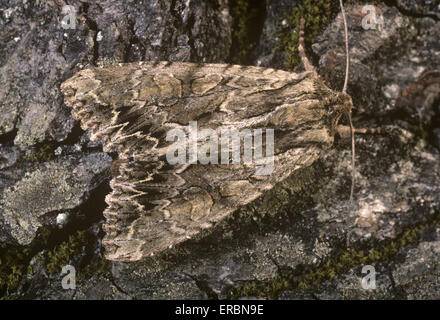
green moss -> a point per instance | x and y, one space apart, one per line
66 252
333 266
15 262
42 153
12 268
420 131
248 18
317 14
63 253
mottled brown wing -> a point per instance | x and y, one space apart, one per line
131 107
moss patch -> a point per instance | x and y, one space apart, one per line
340 263
69 250
317 14
77 249
248 19
63 253
42 153
14 264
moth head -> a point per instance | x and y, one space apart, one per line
344 102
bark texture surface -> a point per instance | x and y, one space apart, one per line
291 242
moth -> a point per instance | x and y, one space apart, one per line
131 108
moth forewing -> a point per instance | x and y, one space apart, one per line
156 203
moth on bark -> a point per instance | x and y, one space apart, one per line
130 108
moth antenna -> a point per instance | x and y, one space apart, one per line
307 65
347 53
344 90
353 148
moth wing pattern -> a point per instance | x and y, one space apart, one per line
130 108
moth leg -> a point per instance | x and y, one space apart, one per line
307 65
